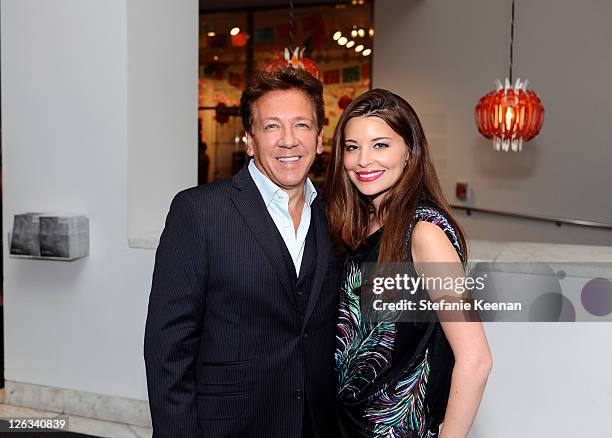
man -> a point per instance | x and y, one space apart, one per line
240 332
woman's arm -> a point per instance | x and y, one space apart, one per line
431 251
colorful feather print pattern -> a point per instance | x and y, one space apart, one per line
365 352
430 214
363 349
398 411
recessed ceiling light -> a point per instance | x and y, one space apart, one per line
235 31
211 34
343 40
366 52
359 48
350 44
337 35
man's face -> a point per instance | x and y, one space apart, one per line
284 141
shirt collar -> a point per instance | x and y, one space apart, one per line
269 190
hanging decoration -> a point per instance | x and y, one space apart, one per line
350 74
355 39
344 101
331 77
511 114
365 71
295 60
239 40
293 57
264 35
347 90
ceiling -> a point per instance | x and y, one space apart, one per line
215 5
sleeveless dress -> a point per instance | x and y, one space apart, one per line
393 377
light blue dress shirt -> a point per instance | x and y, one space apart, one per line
277 203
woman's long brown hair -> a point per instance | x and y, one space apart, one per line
348 211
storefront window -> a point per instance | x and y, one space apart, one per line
234 44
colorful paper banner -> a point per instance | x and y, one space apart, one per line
350 74
331 77
365 71
312 23
264 35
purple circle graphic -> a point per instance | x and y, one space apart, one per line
596 296
552 307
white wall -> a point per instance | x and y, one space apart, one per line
162 65
69 124
548 380
487 226
442 56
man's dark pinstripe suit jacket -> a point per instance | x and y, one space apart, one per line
228 352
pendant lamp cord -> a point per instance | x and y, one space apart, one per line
291 25
511 41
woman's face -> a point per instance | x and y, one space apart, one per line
374 156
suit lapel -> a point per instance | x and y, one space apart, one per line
250 205
310 251
322 238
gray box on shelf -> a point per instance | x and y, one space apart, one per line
26 229
52 236
64 236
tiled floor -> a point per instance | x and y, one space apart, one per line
79 424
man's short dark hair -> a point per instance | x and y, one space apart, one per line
281 79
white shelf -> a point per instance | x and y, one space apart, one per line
145 241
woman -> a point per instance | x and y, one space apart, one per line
384 204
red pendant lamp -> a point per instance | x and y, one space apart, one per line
511 114
293 57
295 60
